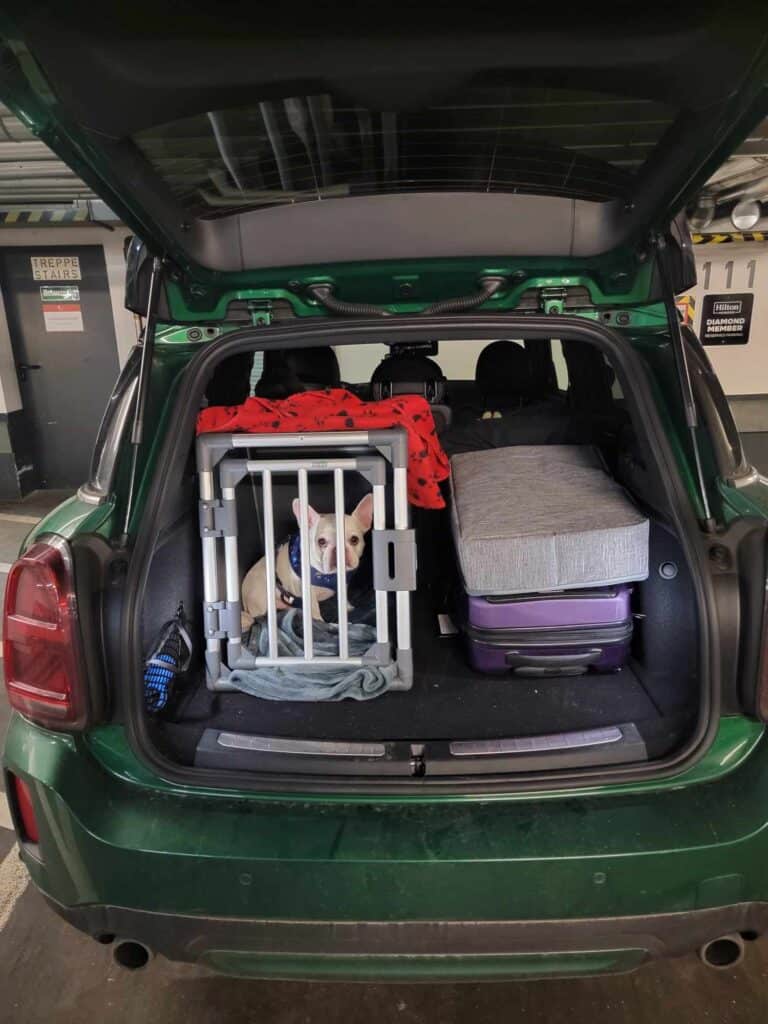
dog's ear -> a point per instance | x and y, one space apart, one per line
312 516
364 512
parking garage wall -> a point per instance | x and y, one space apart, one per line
731 270
13 456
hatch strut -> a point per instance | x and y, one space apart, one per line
142 391
684 375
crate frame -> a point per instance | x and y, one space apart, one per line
393 549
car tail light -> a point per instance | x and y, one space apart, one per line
44 675
22 799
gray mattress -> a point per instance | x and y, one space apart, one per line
534 518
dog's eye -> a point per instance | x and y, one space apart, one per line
354 539
322 542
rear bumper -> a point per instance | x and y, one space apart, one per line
418 950
317 887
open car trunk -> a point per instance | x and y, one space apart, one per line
454 722
653 698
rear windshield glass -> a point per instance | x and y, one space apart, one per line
487 139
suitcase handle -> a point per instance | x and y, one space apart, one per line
515 659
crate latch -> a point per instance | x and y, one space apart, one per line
394 559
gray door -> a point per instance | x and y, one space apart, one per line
64 346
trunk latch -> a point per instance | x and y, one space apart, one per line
418 764
260 311
552 300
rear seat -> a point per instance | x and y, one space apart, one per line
515 404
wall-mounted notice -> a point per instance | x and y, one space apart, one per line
61 308
55 268
726 318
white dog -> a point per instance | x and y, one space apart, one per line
322 559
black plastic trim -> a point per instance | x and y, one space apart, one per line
608 592
187 938
636 386
92 557
611 633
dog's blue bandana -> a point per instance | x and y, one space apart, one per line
328 580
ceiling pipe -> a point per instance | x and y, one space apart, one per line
750 169
756 188
724 226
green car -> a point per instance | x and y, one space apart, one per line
312 194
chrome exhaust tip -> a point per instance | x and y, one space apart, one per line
131 955
724 952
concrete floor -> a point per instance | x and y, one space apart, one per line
51 974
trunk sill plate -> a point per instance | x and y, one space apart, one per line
538 744
279 745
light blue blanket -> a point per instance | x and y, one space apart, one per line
312 683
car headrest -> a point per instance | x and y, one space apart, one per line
405 374
542 364
293 370
503 375
230 383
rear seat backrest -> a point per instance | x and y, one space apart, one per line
514 403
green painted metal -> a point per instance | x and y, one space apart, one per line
173 334
682 847
639 319
746 500
75 516
616 281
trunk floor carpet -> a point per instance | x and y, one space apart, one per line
448 701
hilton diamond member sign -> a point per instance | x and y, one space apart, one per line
725 319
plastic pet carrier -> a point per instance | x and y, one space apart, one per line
378 456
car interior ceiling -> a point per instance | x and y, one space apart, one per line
514 399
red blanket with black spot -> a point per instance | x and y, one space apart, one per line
338 409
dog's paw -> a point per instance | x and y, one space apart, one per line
246 621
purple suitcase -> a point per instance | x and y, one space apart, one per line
550 634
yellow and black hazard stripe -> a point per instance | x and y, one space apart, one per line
14 216
734 236
686 305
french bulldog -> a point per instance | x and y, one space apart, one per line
322 559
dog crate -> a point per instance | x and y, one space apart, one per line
222 465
